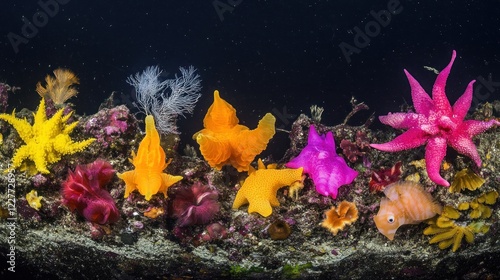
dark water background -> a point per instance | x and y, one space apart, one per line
263 56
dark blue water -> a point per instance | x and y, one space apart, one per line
261 55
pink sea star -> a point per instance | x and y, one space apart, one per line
328 170
437 124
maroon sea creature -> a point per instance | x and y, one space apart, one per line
350 150
384 177
83 191
357 149
214 231
195 205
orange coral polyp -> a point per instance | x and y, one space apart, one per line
338 217
224 141
148 177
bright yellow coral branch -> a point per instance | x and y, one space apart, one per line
45 142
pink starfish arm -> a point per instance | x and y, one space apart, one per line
462 105
441 103
412 138
473 127
461 141
434 155
421 100
402 120
464 145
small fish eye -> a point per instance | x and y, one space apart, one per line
390 219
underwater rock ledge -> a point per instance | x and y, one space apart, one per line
55 252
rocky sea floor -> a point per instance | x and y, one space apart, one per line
52 242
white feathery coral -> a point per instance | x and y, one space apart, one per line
166 100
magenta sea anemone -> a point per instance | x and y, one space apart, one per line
195 205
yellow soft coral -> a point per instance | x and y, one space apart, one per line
60 88
45 141
259 189
34 201
148 177
224 141
448 232
466 179
479 205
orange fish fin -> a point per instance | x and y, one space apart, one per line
383 202
392 192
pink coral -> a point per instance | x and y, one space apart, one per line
84 192
111 127
436 124
195 205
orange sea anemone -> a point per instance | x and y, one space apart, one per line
338 217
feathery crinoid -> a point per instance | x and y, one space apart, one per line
60 88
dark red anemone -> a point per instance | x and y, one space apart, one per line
83 192
384 177
195 205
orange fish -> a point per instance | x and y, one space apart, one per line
406 203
